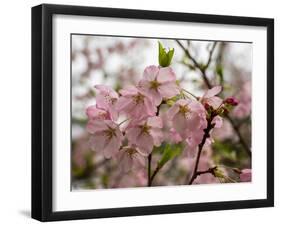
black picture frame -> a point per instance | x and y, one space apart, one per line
42 107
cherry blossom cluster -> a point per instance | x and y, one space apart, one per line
127 125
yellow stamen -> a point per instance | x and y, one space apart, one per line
154 84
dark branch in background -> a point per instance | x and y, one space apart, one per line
202 69
196 64
149 158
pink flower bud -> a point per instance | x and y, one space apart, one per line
231 101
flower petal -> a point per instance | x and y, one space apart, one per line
166 74
212 92
169 89
95 126
155 121
150 73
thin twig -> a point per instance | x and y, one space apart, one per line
202 70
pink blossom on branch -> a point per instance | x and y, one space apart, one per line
188 119
159 83
146 134
210 98
94 113
130 158
135 104
106 99
106 137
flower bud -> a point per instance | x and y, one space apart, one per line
231 101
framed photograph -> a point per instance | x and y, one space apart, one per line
146 112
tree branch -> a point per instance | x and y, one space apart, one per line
200 148
209 85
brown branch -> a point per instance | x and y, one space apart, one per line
237 131
210 126
209 85
196 64
154 173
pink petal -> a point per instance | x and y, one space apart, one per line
145 143
172 111
150 108
157 136
94 113
215 102
124 162
193 121
107 90
95 126
102 102
155 121
169 89
97 142
132 134
112 147
218 121
174 136
212 92
150 73
166 74
124 104
103 88
129 91
180 124
113 113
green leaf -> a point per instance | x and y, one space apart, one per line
165 57
170 152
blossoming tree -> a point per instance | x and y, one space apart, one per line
158 115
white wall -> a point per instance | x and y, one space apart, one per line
15 111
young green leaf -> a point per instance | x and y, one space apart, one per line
165 57
170 152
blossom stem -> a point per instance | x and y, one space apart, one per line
190 93
123 121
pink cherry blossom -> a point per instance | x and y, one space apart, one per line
218 121
189 119
210 97
130 158
146 134
94 113
106 99
135 104
106 137
159 83
246 175
174 136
